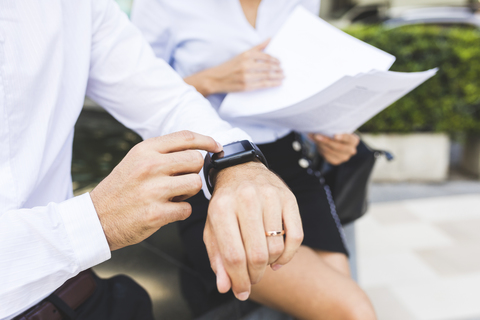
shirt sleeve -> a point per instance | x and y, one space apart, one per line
42 247
142 91
152 18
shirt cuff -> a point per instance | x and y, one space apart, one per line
85 231
233 135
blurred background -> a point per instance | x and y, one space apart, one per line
418 247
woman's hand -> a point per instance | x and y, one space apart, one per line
337 150
250 70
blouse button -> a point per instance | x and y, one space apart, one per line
303 163
296 146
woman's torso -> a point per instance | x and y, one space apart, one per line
201 34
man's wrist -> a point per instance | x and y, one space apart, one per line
217 174
233 154
223 176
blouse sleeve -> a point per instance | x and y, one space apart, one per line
153 20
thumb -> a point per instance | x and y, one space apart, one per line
261 46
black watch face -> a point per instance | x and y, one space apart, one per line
233 149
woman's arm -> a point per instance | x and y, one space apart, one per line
250 70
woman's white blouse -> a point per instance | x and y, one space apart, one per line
194 35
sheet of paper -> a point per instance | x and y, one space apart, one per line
313 56
345 105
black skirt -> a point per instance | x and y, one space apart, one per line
320 225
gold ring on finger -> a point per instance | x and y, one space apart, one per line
274 233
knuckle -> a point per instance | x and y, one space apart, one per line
196 182
247 191
258 257
187 135
141 147
184 212
276 249
234 258
290 201
214 210
219 203
146 167
195 158
297 237
289 196
243 79
270 192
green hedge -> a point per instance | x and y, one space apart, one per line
448 102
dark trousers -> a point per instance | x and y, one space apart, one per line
117 298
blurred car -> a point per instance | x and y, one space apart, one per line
436 15
401 12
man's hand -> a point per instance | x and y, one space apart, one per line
337 150
145 190
249 200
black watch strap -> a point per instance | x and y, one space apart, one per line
209 164
259 155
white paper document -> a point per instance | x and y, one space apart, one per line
333 82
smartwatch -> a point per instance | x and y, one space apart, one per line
232 154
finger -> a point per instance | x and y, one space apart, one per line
223 281
339 147
253 79
293 232
319 137
273 221
263 84
171 212
348 138
183 140
226 230
254 66
182 162
262 56
261 46
250 217
183 186
332 156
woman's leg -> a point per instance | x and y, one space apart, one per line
337 261
314 286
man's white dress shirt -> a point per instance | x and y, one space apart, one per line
52 52
194 35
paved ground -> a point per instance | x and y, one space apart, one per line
420 258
